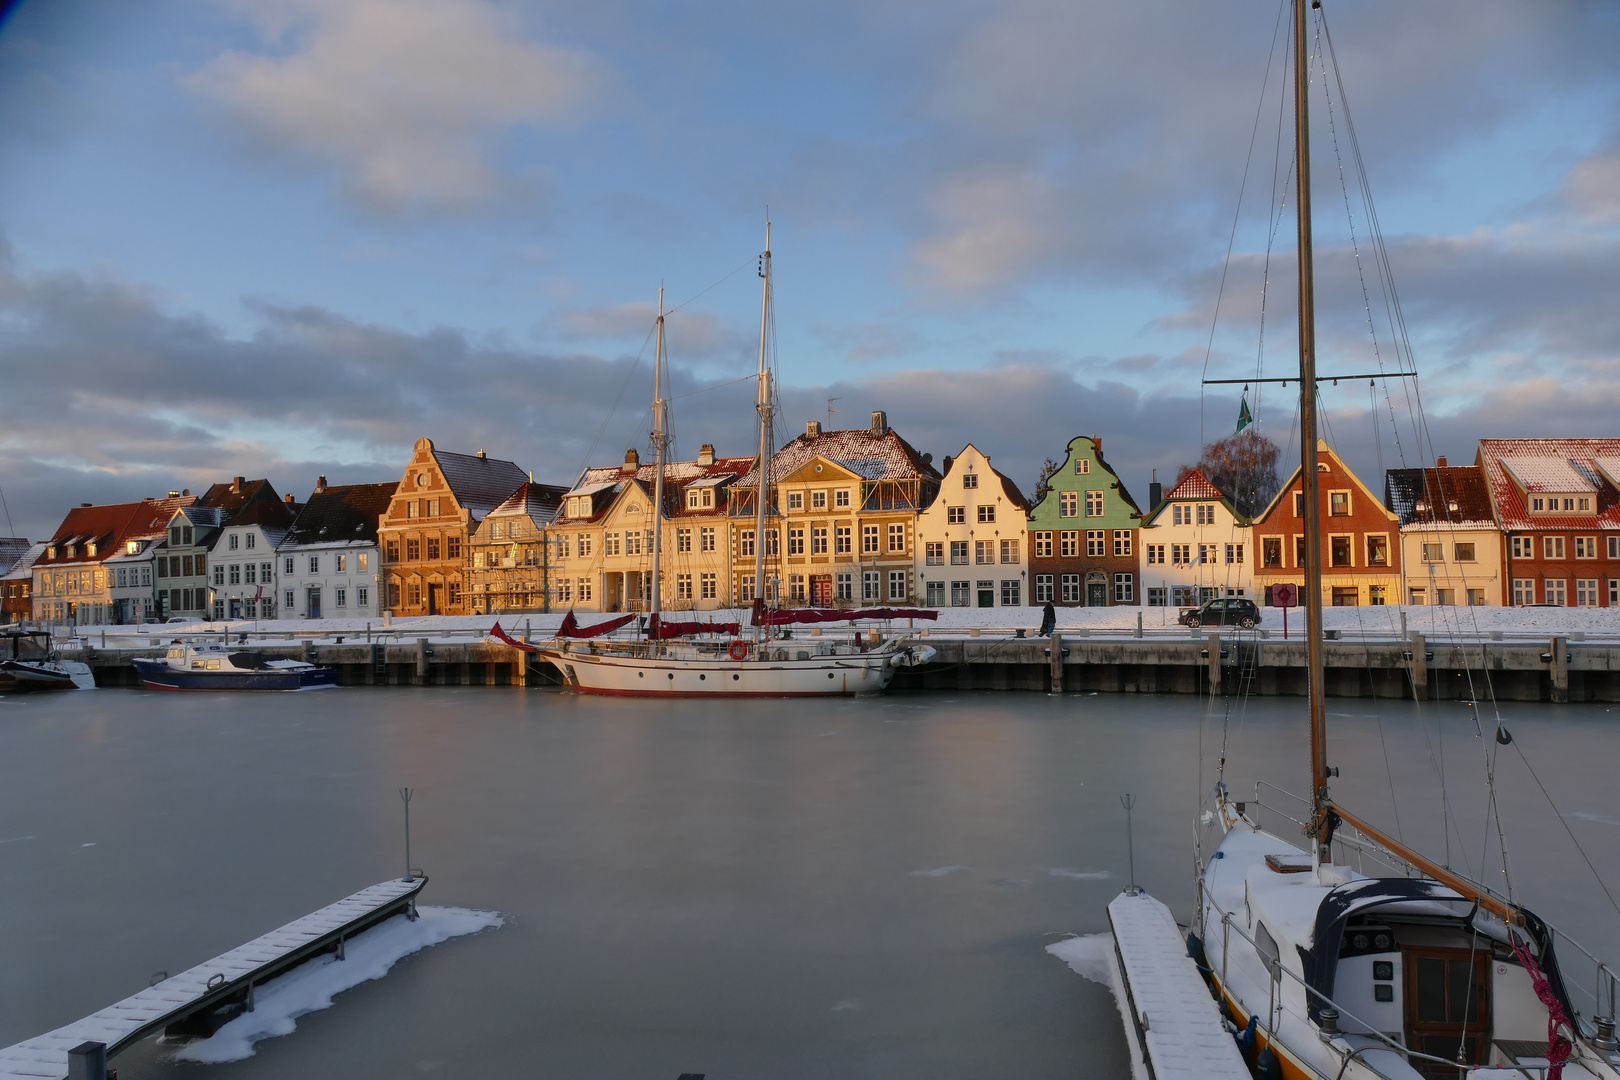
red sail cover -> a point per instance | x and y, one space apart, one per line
501 635
661 629
784 616
571 628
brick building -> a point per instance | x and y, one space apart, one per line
1558 507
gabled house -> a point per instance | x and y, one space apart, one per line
1557 504
130 571
328 562
1083 533
1196 545
1361 553
243 574
71 580
511 555
436 505
971 538
1451 548
183 583
17 586
842 520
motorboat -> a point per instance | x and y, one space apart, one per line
32 664
212 666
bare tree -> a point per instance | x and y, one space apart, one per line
1044 484
1243 466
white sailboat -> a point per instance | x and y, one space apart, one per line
1422 973
765 663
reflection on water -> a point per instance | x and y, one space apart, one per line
855 888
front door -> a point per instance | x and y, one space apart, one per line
987 594
314 596
1448 1006
821 590
235 608
435 599
1096 594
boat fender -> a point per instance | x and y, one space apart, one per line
737 649
1266 1066
1245 1038
1195 949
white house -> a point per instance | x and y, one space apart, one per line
1196 545
970 539
243 568
327 563
1451 545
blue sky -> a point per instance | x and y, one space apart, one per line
287 237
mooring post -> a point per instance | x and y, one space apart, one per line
1138 624
1214 664
368 633
88 1061
421 659
1128 801
1420 666
1056 643
1560 670
1403 624
405 794
525 631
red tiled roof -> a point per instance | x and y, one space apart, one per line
1195 485
103 526
1448 495
1561 455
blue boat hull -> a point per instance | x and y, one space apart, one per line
157 675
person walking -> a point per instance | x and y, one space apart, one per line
1048 621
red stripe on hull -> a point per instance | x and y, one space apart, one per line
714 694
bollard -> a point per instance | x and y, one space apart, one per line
88 1061
1420 666
421 658
1138 624
1560 671
1403 624
368 633
1056 643
1214 664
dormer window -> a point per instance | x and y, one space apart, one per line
90 550
579 506
50 552
133 547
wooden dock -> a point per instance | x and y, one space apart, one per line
200 1000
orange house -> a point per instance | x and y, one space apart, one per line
1361 550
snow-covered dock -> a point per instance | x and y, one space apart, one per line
199 1000
1174 1021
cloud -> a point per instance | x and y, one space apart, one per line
1592 189
405 100
692 335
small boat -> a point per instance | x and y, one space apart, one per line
44 670
212 666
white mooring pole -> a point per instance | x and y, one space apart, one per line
405 794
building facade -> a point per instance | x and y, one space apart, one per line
971 539
328 564
436 505
1451 548
1361 552
17 586
511 553
77 579
1083 533
1557 504
1195 546
244 560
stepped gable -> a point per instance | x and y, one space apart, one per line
341 515
1447 496
869 455
1516 469
479 483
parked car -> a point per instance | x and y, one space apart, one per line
172 619
1227 611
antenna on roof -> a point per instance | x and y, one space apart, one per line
830 411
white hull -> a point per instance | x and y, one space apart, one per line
789 669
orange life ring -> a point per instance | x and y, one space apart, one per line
738 649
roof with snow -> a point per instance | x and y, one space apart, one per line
1512 464
678 476
479 483
870 455
12 548
343 514
1451 495
23 568
537 502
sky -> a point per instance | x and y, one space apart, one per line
286 238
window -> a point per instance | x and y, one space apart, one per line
1156 597
230 542
496 530
795 500
1206 554
1338 504
1181 554
1068 504
1043 545
773 544
433 548
315 560
1339 551
959 552
869 585
1082 466
934 553
970 480
1009 551
1299 504
390 552
818 500
236 574
219 575
897 585
841 540
1094 504
1043 588
287 600
897 538
745 543
452 592
1096 543
632 543
582 589
610 543
987 514
844 586
1523 547
1069 544
841 498
961 594
1011 592
1071 588
1124 588
1524 591
1614 547
1445 597
706 538
1299 551
1552 547
188 562
1155 554
362 596
1346 596
1462 552
1206 513
683 540
818 540
869 539
413 550
340 598
984 551
935 594
1181 515
1553 591
683 586
452 550
1586 547
795 541
582 545
1586 592
1122 543
1434 552
1234 554
1376 595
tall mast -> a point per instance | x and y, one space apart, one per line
1312 598
660 439
763 407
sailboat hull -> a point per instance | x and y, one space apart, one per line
784 673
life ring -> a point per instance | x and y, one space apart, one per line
737 649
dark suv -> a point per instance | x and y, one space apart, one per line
1229 611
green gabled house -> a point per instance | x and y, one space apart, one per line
1083 533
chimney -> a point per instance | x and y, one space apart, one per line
812 428
1155 492
945 465
236 484
481 454
706 454
84 504
320 484
1096 442
632 461
1441 463
880 422
288 498
174 494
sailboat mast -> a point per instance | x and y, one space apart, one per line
660 439
763 407
1309 488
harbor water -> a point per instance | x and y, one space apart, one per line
813 888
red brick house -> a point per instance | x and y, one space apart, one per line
1557 502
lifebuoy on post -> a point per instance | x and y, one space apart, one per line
738 649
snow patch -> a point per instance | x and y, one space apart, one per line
938 871
1091 956
311 987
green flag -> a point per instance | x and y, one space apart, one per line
1244 419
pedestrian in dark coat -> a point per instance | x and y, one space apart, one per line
1048 621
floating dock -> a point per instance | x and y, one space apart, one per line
1177 1027
202 999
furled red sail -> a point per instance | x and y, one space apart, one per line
764 616
659 628
502 636
571 628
